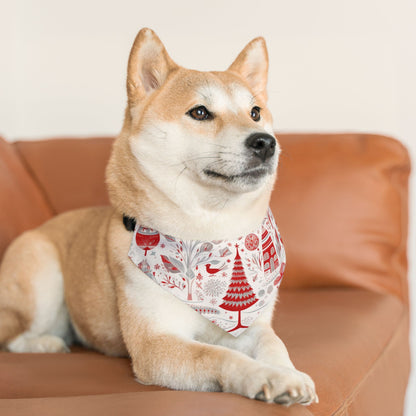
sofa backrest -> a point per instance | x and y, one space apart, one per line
341 205
22 203
69 171
340 202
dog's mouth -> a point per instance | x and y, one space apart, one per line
249 174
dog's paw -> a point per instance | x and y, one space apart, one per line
282 385
41 344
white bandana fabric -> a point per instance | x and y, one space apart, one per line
228 282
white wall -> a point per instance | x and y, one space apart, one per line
335 65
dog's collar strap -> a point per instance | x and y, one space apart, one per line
129 223
228 282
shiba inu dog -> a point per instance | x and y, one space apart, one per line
193 166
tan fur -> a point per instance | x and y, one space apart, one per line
72 276
15 315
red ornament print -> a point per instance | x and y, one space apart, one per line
251 242
147 238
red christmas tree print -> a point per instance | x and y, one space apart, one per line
240 294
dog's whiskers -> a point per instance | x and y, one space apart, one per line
231 153
177 178
219 164
219 145
194 158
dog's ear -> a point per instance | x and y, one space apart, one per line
252 64
149 66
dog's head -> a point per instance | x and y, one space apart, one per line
194 132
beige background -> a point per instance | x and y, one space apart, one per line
335 65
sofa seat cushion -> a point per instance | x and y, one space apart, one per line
338 336
344 338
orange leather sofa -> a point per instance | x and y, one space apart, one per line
341 205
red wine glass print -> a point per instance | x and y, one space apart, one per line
147 238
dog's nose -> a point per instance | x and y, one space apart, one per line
263 145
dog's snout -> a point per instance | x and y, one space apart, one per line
263 145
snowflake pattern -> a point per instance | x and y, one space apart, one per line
215 287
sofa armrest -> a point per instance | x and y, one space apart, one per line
341 205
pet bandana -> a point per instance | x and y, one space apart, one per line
228 282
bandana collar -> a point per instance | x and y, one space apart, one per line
228 282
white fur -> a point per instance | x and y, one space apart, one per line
50 325
268 127
216 98
155 305
242 97
233 98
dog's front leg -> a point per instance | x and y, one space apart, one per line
170 358
261 343
181 364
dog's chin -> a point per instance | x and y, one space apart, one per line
244 181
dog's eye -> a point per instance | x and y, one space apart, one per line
200 113
255 113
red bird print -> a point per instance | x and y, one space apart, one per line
211 270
